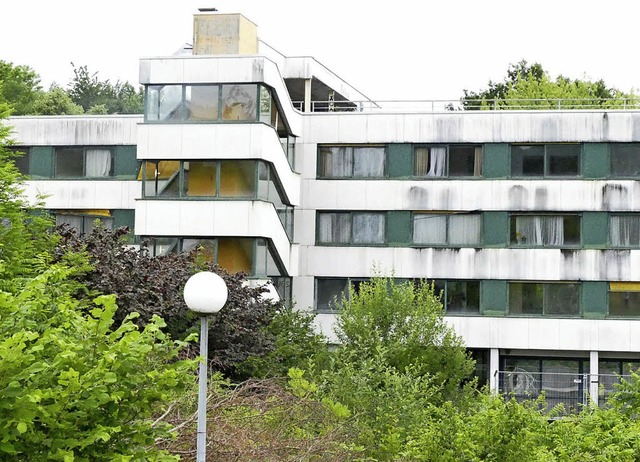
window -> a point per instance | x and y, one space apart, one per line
83 221
624 230
446 229
201 102
351 161
624 299
560 160
95 162
351 227
22 160
459 297
625 159
545 230
534 298
329 291
443 161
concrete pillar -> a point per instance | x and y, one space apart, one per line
307 95
494 367
593 376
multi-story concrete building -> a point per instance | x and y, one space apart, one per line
528 221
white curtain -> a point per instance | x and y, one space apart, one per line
437 162
464 229
625 231
477 162
334 228
337 162
429 229
539 230
368 162
421 162
98 163
368 228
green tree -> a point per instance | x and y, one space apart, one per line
56 101
530 86
75 388
97 96
19 87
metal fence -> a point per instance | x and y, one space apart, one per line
408 106
572 391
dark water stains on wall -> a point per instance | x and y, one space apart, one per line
518 197
615 264
615 196
541 196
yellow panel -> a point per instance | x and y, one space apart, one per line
235 255
166 169
624 286
236 179
202 179
84 212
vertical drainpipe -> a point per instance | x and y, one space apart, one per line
494 367
593 377
307 95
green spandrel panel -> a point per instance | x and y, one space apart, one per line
495 229
493 297
496 162
125 164
399 226
595 160
595 229
124 217
594 299
41 162
399 160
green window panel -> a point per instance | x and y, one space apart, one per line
496 161
41 162
495 229
125 164
595 160
594 299
399 225
595 227
493 297
124 217
400 161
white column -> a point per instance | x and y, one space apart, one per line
307 95
593 377
494 367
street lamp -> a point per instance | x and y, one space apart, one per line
205 293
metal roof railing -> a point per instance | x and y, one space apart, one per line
444 105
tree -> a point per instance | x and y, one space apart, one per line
56 101
73 386
527 86
97 96
19 87
153 286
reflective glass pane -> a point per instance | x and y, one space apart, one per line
334 228
624 230
69 162
464 160
525 298
329 293
368 162
563 159
368 228
201 102
236 254
562 299
624 304
463 296
238 178
625 159
163 102
200 178
335 162
527 160
430 229
239 102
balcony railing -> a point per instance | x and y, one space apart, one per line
561 104
573 391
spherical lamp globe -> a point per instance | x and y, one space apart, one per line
205 293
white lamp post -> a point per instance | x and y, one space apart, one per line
205 293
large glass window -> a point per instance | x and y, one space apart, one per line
83 221
351 228
562 160
458 297
163 103
351 161
451 160
83 162
624 230
330 291
625 159
545 230
201 102
21 161
624 299
446 229
535 298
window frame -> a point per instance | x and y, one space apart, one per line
612 161
546 161
610 233
447 148
445 296
513 231
448 216
351 242
319 161
544 313
87 219
348 282
110 176
633 288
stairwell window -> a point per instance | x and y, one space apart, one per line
446 229
545 230
447 161
351 161
351 228
534 298
540 160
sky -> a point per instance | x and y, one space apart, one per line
389 50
